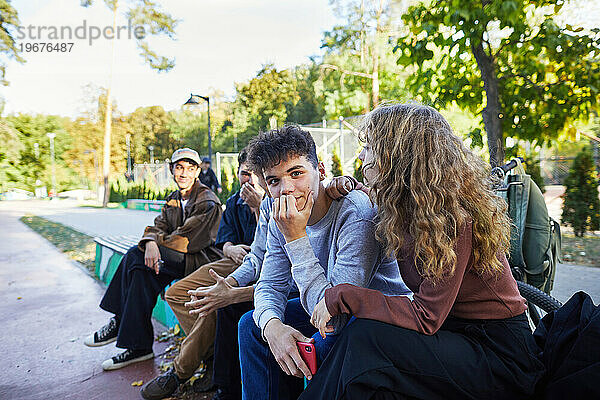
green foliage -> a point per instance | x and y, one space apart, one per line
359 64
147 14
25 165
358 174
272 93
336 164
10 149
9 20
581 208
121 190
225 187
228 187
235 185
532 167
149 126
546 75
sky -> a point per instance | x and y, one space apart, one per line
219 43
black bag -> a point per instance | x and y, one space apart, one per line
569 340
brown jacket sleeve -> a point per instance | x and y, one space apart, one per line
425 313
154 232
197 232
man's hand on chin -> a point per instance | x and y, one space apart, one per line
291 221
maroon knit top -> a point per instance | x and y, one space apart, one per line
466 294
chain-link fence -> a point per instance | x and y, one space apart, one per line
555 169
339 136
157 174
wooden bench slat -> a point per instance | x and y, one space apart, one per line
120 243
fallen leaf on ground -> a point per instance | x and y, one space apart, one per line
137 383
165 365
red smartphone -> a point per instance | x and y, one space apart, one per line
309 355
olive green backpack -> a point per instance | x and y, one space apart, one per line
535 238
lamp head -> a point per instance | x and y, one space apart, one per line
195 99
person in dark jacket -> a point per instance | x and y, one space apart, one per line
181 239
208 177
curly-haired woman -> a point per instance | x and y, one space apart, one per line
463 334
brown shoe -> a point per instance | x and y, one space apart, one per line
162 386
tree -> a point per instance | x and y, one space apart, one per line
581 207
87 149
336 165
270 94
307 108
189 126
359 68
147 16
506 60
150 126
34 151
358 174
10 148
532 167
9 20
88 134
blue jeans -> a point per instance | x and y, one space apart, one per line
261 374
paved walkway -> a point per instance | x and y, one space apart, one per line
89 220
571 278
47 306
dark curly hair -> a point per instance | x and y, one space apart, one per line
242 156
270 148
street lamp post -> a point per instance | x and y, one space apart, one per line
195 100
151 148
128 138
51 136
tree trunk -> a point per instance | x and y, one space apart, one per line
492 110
108 118
375 90
362 34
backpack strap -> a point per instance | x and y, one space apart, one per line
553 254
518 200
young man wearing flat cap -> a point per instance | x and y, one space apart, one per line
181 240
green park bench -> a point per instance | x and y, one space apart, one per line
109 252
145 205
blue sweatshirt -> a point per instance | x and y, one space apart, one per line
249 270
339 248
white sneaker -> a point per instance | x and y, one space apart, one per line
125 358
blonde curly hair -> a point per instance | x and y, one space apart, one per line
430 185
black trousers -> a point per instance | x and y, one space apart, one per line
466 359
132 294
226 364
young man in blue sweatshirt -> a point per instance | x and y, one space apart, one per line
313 243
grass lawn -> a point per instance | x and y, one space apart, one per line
76 245
581 250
